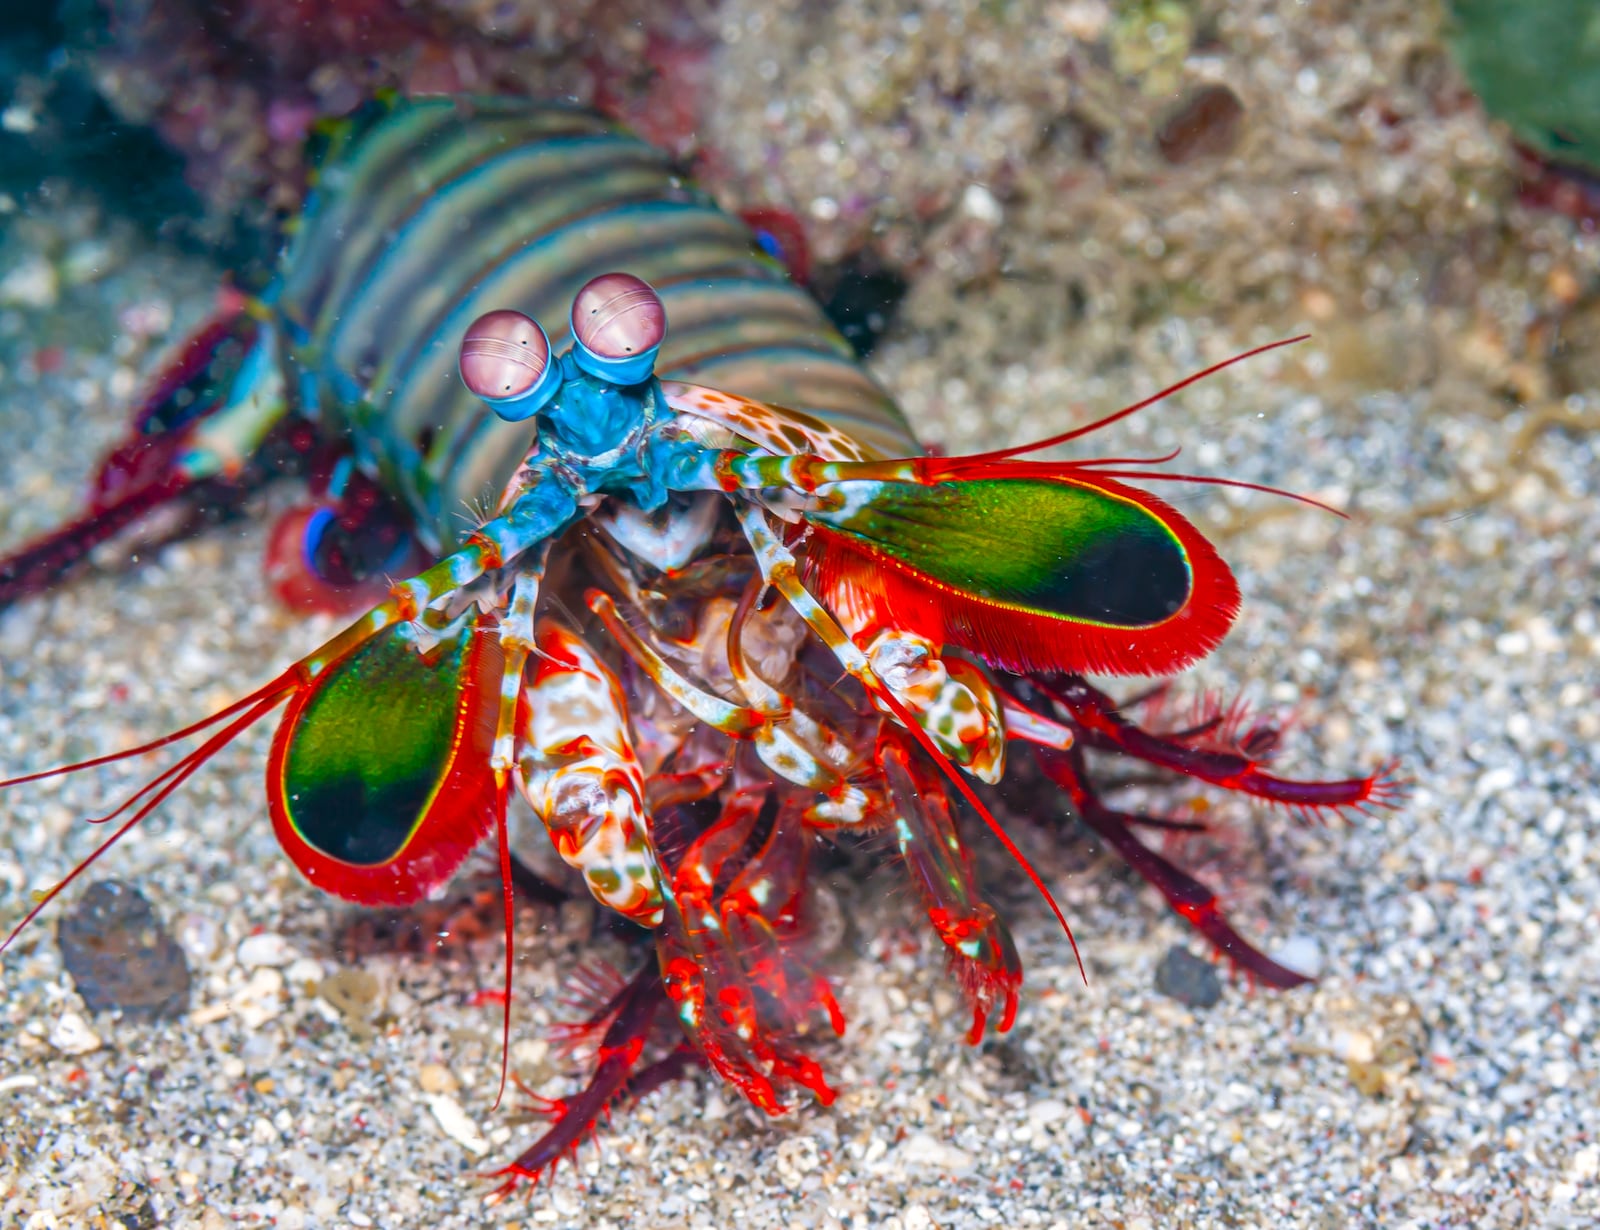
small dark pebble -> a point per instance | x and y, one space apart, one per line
141 1217
1018 1070
1204 125
120 957
1186 978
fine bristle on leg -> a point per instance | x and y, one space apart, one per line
38 565
1191 899
616 1075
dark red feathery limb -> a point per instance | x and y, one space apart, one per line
141 473
595 993
594 990
39 564
615 1075
674 1066
1188 896
1101 725
1217 725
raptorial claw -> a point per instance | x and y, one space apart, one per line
982 956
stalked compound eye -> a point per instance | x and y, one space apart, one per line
505 359
618 324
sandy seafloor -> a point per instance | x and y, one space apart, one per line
1442 1072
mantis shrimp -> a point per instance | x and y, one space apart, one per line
720 606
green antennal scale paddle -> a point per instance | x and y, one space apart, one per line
1034 573
378 790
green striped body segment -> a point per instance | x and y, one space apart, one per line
441 209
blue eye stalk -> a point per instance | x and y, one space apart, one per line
618 325
505 359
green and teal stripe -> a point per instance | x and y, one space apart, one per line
437 210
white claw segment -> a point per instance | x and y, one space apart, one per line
577 768
1033 727
953 700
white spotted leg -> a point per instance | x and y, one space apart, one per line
578 770
781 571
778 737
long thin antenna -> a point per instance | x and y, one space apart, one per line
1126 411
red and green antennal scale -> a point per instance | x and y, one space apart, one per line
1033 566
379 781
1031 573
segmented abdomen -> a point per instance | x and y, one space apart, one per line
441 210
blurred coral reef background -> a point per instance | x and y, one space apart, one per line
965 146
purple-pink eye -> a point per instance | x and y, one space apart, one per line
505 359
618 325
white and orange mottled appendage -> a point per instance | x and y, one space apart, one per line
952 699
577 767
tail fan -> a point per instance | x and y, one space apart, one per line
147 473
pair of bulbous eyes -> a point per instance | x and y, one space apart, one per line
618 323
